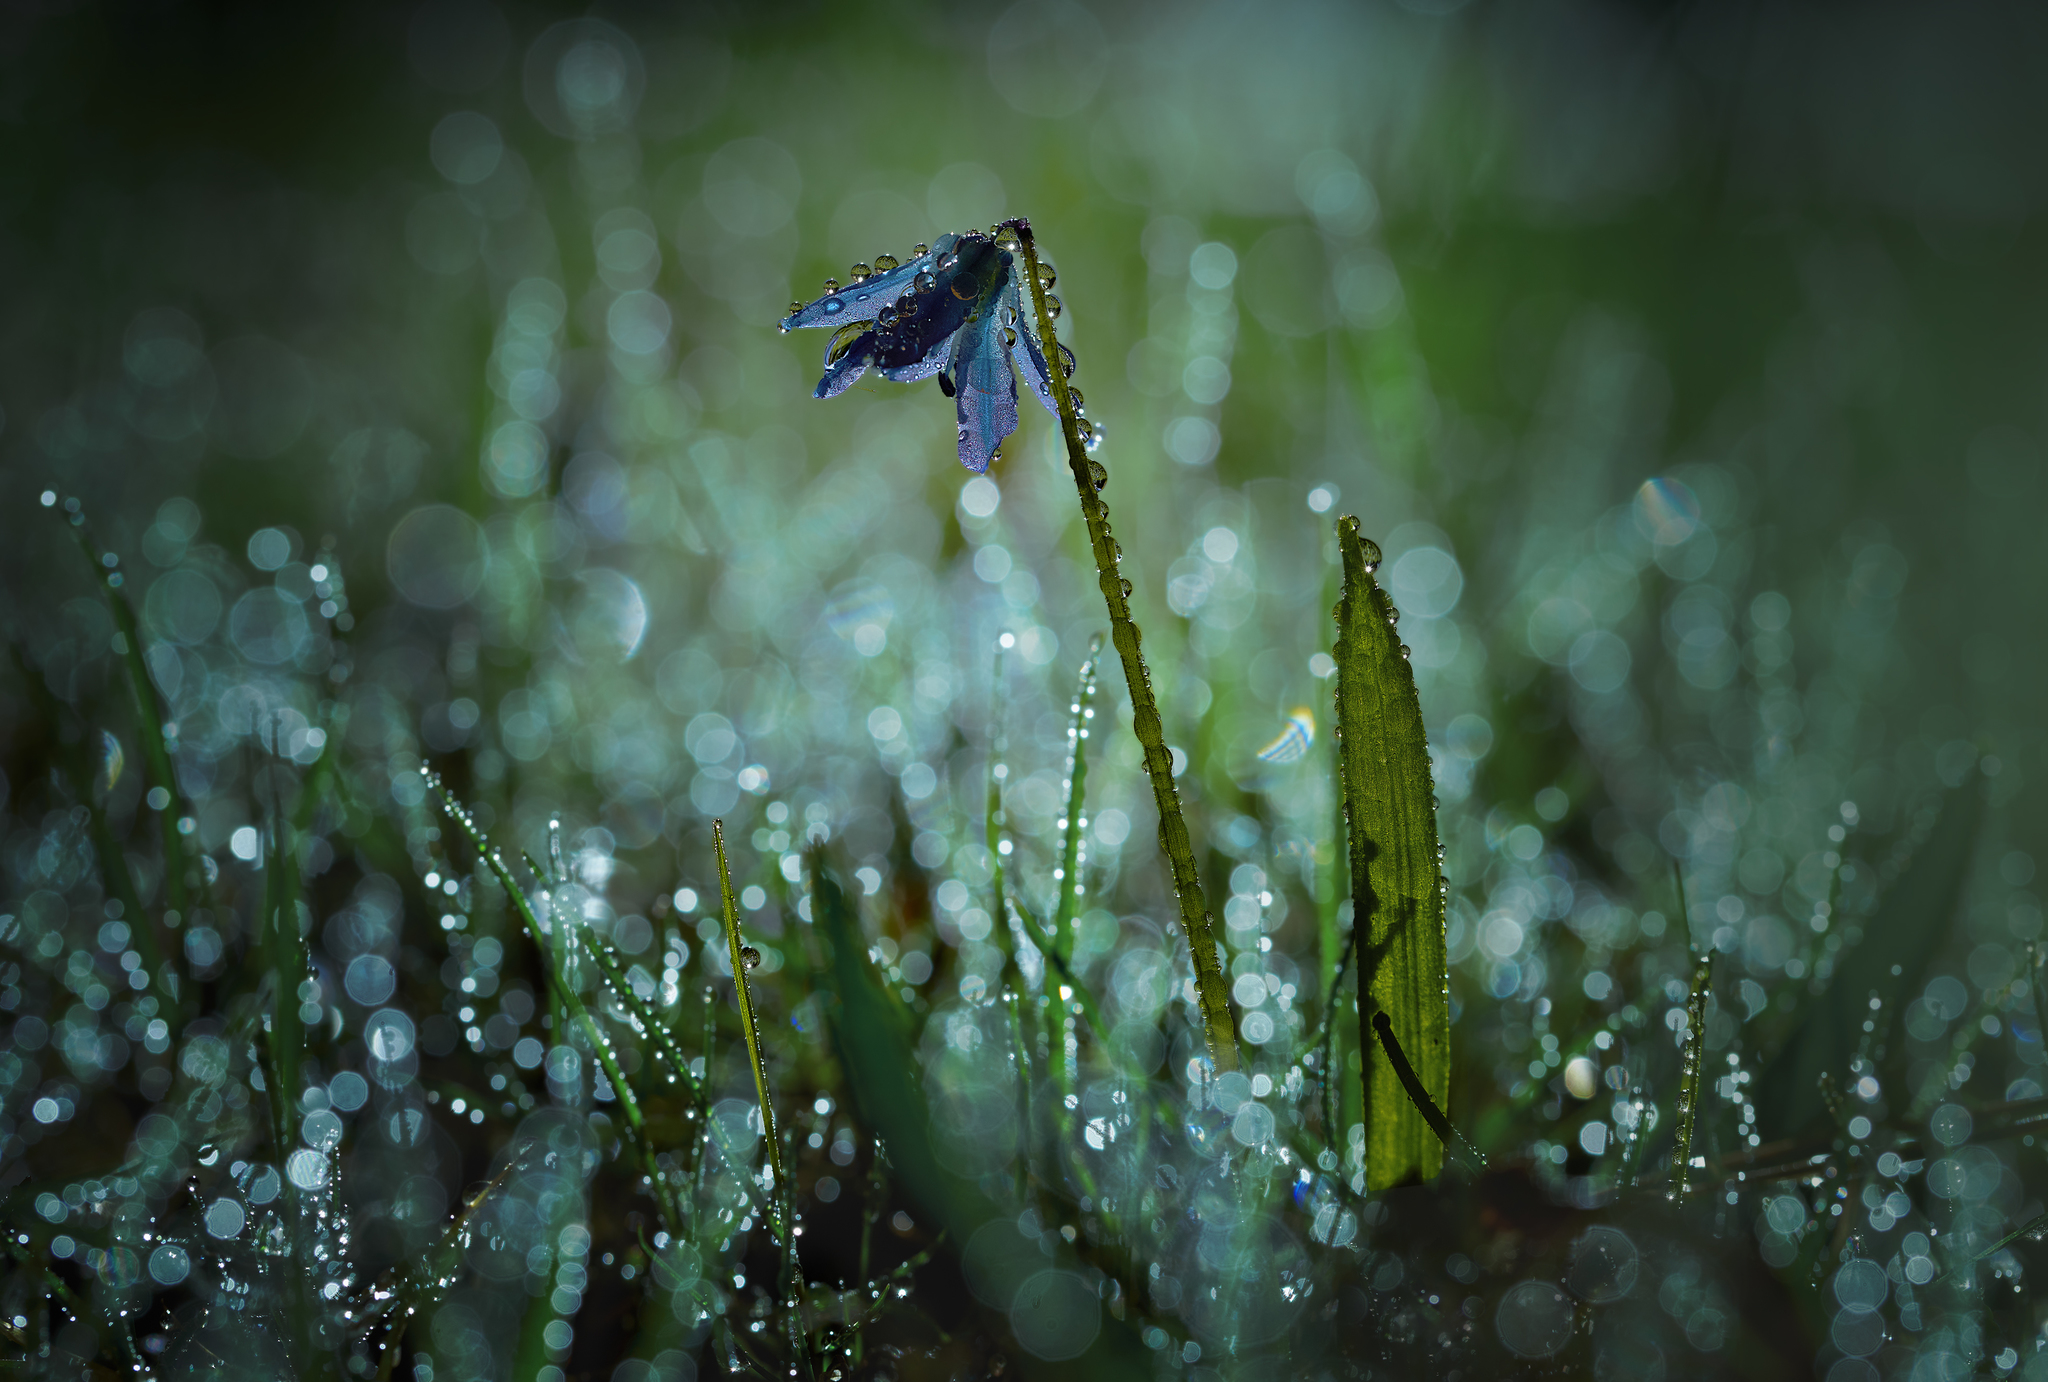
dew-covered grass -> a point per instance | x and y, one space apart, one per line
531 849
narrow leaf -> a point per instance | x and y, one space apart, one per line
1390 821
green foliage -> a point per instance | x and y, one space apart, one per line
1396 881
1862 1001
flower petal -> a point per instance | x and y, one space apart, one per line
861 301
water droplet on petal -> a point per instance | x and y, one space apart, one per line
1009 337
831 285
920 250
833 307
884 263
858 272
925 282
795 307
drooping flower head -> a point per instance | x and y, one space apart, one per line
953 310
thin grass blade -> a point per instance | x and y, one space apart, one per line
1068 876
750 1026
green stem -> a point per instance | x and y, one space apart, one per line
1212 992
750 1025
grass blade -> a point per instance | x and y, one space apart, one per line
1195 920
1682 1161
149 716
744 958
1068 875
565 994
1900 940
1390 818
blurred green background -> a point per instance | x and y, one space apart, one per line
1686 361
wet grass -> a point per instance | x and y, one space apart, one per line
354 1095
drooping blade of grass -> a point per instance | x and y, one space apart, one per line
1689 1075
1068 875
1199 927
629 1103
1900 939
1390 821
750 1026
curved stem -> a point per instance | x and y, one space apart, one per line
1211 991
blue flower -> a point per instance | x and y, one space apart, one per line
953 310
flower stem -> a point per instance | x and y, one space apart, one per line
1173 829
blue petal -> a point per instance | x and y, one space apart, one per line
840 373
861 301
926 366
986 400
1030 354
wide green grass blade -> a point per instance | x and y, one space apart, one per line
1900 940
1390 823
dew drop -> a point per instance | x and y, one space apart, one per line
1094 437
858 272
1046 275
750 957
920 250
833 307
1007 238
886 317
1127 589
907 303
1009 337
925 282
795 307
1098 475
884 263
831 285
1080 406
1067 362
1053 307
1372 553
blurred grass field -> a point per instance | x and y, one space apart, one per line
395 393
